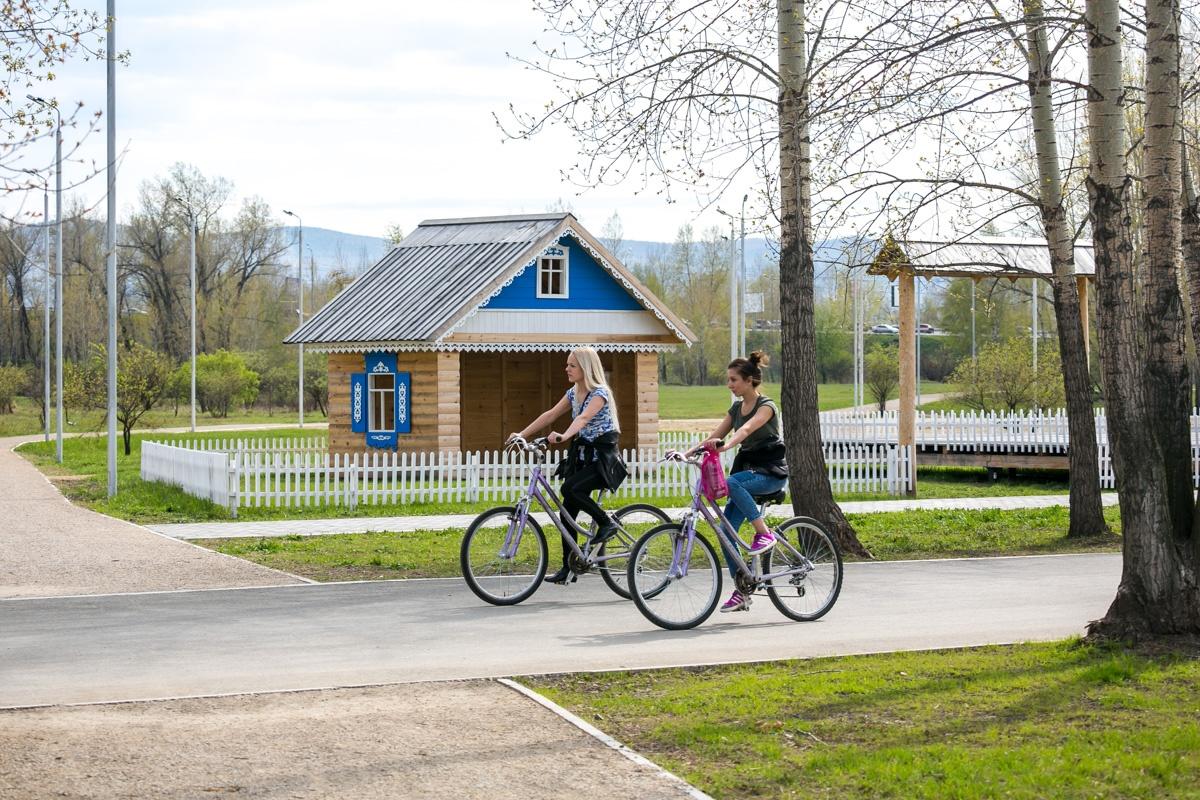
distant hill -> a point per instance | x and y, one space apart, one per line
334 250
353 253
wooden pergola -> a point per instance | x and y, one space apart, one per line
903 260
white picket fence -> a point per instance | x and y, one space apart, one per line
970 431
200 473
245 473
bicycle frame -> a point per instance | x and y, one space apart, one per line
539 489
715 517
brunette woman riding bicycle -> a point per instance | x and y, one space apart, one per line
760 467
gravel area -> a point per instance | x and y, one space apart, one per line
50 547
412 740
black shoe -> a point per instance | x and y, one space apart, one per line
559 577
606 532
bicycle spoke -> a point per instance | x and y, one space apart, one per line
500 574
666 599
811 565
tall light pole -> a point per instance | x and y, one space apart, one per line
46 315
58 271
110 237
192 279
742 285
300 306
734 316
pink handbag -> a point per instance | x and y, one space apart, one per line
712 475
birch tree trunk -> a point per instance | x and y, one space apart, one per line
1087 514
809 482
1158 593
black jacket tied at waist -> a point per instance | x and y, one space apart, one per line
769 458
603 452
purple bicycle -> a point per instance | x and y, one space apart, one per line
675 576
504 554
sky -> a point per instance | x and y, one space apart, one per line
356 115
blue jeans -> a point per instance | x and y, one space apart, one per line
741 506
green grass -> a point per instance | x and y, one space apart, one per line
710 402
28 419
85 459
1059 720
889 536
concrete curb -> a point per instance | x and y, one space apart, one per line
604 738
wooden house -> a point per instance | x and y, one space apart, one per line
459 335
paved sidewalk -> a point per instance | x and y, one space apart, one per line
50 547
439 522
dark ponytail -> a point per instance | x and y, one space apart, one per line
751 368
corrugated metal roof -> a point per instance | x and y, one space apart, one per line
425 281
989 256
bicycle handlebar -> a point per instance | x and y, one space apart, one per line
538 445
677 457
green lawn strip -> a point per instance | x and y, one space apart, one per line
28 419
1061 720
709 402
889 536
85 458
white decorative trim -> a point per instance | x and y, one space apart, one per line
485 347
603 262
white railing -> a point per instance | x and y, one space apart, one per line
256 476
201 474
970 431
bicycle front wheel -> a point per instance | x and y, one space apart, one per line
663 596
502 561
812 566
634 520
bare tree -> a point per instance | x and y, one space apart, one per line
16 269
692 96
1087 514
1159 591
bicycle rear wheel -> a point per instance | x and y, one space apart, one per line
672 602
634 520
815 570
496 577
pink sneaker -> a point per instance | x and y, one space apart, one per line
762 543
736 602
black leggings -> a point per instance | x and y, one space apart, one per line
577 494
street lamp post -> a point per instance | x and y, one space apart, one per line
58 271
300 307
46 314
742 285
192 279
110 237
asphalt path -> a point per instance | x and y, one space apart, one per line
172 644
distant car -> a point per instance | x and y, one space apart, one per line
925 327
885 328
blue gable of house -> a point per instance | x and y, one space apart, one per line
589 287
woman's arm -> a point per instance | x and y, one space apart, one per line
590 410
716 436
560 408
760 418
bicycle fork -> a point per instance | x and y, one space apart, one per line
516 525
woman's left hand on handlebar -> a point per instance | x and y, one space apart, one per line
555 437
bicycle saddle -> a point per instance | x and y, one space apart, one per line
775 497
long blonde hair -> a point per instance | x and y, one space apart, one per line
593 378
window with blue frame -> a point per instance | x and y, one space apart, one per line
379 401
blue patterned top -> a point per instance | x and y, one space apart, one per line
600 424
